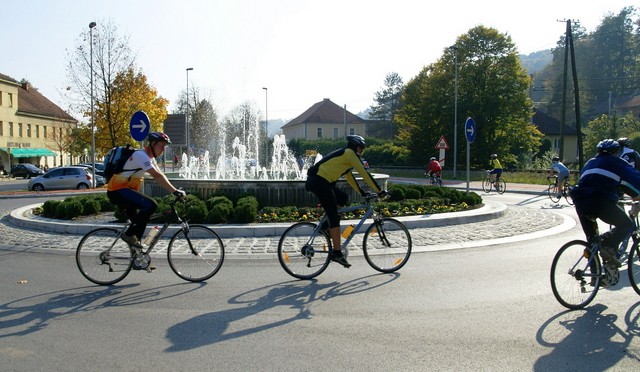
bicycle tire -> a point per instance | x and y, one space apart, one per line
567 195
195 255
552 191
633 267
300 259
96 264
487 185
387 245
439 182
571 285
502 186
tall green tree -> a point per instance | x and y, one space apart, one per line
387 103
492 89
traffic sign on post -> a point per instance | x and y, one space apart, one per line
442 144
470 130
139 126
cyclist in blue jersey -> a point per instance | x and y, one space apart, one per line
596 196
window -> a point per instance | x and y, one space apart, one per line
319 135
10 129
352 131
44 131
19 129
335 132
1 129
10 99
37 131
28 130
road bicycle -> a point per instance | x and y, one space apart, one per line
490 182
556 192
434 179
195 252
577 272
304 247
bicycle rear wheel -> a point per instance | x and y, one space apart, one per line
553 193
302 254
502 186
387 245
487 184
195 255
575 277
633 263
102 258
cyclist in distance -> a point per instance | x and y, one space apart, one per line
596 196
321 181
433 167
628 154
496 168
123 188
563 172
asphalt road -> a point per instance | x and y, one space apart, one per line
485 308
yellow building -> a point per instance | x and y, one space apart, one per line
324 120
32 128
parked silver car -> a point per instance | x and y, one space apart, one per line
62 178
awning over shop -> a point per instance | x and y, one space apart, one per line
21 152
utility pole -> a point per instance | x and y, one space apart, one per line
569 48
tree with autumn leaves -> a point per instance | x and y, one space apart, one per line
119 90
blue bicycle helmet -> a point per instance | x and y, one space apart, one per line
608 146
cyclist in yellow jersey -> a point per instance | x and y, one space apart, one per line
322 178
496 167
123 188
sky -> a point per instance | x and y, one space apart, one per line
302 51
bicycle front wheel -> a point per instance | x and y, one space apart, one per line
102 258
387 245
501 186
487 185
633 263
195 255
553 193
575 275
567 195
302 254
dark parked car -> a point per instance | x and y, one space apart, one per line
62 178
26 171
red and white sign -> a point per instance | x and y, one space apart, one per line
442 144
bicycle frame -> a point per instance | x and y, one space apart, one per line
369 212
621 253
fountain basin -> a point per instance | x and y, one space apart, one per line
270 193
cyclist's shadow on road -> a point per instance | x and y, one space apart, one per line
292 300
587 340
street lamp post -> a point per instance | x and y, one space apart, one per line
187 117
93 130
266 126
455 111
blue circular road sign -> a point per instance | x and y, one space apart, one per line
470 130
139 125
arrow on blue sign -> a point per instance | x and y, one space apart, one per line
139 125
470 130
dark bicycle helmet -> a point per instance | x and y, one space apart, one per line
624 141
555 159
494 156
608 146
354 141
158 137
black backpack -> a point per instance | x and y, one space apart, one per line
116 158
